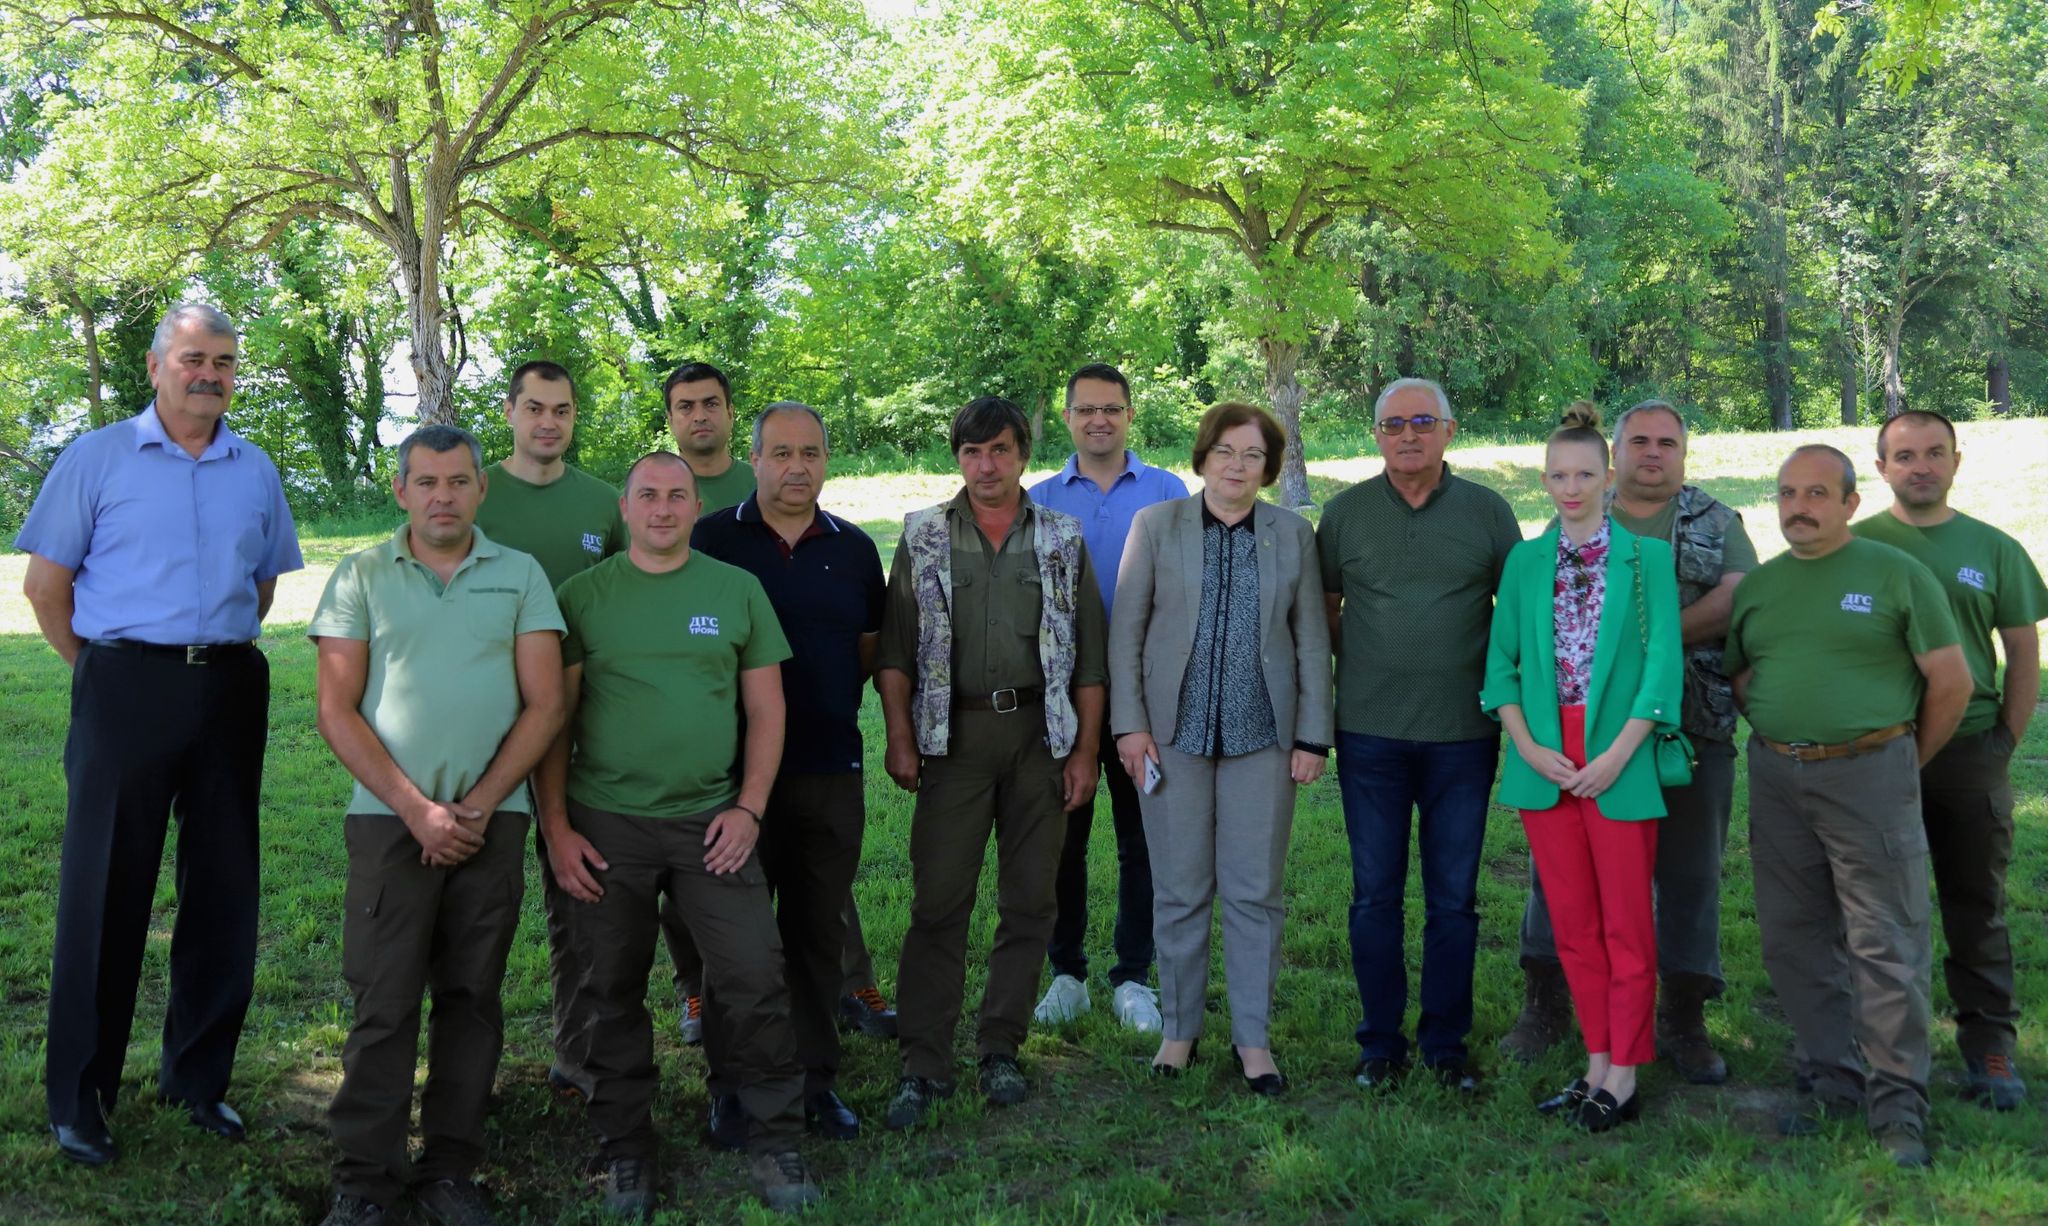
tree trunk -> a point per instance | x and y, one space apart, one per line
1852 407
1998 385
426 316
1283 393
1777 278
1894 379
95 369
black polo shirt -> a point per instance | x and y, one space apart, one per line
827 592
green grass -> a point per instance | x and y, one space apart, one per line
1099 1142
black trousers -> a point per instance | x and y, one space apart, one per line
810 849
153 737
410 930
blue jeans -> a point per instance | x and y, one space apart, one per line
1383 780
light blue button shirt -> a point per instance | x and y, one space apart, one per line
1106 515
166 548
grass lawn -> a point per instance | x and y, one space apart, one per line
1099 1141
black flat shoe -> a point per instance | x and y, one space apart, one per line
1600 1113
89 1142
216 1118
1566 1100
1265 1085
1175 1070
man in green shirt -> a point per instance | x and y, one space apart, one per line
1966 792
1712 552
698 399
1844 657
992 672
652 794
569 521
440 686
1410 562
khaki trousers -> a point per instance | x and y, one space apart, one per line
1840 857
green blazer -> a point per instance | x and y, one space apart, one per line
1628 682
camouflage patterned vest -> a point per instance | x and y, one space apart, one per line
1056 540
1698 536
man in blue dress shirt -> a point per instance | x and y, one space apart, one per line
1104 485
155 547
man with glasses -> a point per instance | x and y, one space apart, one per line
1104 485
1410 560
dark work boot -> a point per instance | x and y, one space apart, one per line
1682 1029
1546 1011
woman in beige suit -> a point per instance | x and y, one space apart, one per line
1220 691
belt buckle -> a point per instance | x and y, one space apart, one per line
995 701
1798 749
195 653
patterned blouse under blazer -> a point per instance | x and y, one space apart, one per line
1158 607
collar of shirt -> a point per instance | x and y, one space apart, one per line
962 508
1443 486
1588 554
1209 517
1133 466
480 547
749 512
149 430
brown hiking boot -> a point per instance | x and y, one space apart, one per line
1682 1030
1546 1011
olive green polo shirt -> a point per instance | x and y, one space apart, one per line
996 605
443 689
1418 585
568 525
728 489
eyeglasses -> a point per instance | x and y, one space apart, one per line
1423 423
1254 457
1096 410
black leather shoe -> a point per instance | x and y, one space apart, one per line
1265 1085
1378 1073
829 1117
216 1118
1565 1101
1600 1113
89 1142
728 1122
1456 1076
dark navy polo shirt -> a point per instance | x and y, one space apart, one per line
827 592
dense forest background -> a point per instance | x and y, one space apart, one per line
1774 212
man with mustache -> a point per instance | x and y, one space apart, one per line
654 792
568 521
823 576
154 548
1966 792
1845 658
1104 485
1411 559
1712 552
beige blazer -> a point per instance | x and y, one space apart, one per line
1159 596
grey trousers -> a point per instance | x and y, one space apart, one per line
1841 865
1690 842
1217 828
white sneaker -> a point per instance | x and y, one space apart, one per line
1064 1001
1137 1007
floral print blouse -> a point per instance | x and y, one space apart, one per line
1575 602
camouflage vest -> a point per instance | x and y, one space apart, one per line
1698 536
1056 540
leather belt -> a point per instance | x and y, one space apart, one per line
1808 751
191 653
1000 701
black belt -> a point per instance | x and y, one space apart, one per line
191 653
1000 701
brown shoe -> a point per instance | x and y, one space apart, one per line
1682 1029
782 1182
1546 1017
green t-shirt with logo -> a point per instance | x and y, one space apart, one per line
568 525
1832 640
442 688
658 726
1991 585
728 489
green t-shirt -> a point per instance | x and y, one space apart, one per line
1832 640
728 489
568 525
1418 587
1991 585
657 729
1738 552
442 689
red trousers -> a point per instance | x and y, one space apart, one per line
1596 875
